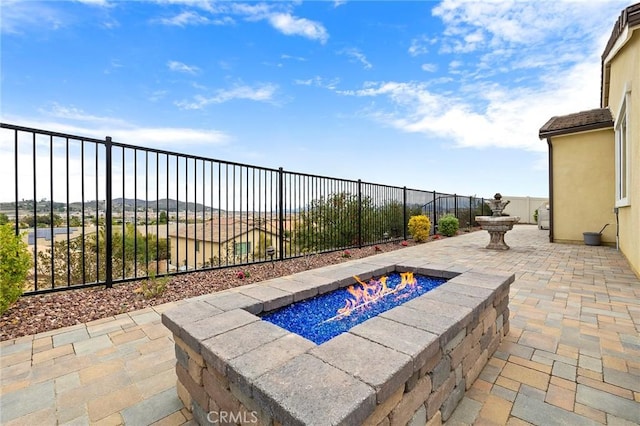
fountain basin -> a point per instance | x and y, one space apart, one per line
497 226
411 363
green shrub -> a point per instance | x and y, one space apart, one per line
15 262
152 287
448 225
419 228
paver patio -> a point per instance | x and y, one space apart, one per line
572 355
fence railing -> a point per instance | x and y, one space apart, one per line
100 212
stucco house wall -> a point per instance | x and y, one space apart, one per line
583 178
208 252
624 82
584 165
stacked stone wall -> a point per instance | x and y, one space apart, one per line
272 380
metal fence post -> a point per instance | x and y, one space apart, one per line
404 213
108 216
359 213
17 222
435 214
455 205
281 212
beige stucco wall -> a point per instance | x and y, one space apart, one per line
583 182
185 249
523 207
625 74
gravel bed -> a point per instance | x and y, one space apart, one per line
37 314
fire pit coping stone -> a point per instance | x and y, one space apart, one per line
300 382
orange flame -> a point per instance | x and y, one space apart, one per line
365 293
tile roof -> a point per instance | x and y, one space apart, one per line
599 118
212 232
629 19
630 16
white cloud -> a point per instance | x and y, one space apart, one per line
184 19
429 67
207 5
508 117
170 136
110 24
20 16
499 103
297 58
72 120
180 67
358 56
253 12
76 114
101 3
291 25
503 22
455 65
262 93
225 20
277 14
165 138
157 95
317 81
524 28
420 45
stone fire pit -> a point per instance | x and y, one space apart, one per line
411 363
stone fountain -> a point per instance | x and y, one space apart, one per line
497 225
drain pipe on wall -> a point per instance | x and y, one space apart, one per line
550 190
615 210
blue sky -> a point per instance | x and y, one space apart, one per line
432 95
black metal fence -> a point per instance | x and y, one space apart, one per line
99 212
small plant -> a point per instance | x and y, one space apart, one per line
419 228
153 286
306 257
242 275
535 215
448 225
15 262
377 249
346 254
404 244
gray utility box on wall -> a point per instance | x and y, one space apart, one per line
543 216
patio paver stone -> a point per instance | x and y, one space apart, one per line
571 355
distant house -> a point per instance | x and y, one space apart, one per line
46 234
214 243
594 155
42 237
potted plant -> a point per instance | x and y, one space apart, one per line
593 238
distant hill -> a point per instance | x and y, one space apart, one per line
167 204
117 204
42 206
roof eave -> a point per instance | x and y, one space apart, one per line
576 129
627 23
